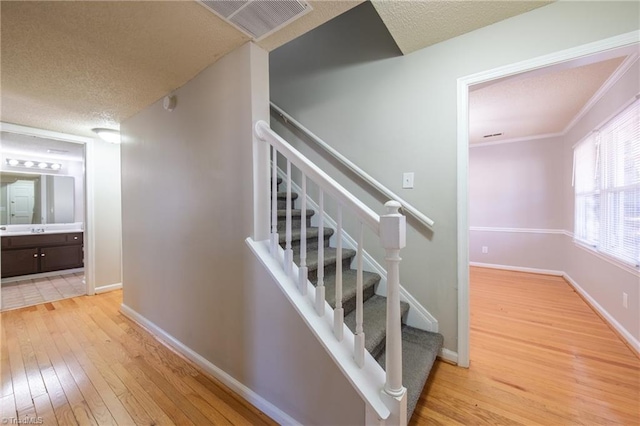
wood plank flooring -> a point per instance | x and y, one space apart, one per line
539 355
79 361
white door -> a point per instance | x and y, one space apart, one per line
21 202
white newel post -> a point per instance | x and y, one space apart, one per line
393 229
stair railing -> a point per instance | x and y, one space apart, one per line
408 207
390 228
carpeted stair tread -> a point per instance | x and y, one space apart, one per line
330 257
283 195
349 279
419 351
312 233
295 213
374 322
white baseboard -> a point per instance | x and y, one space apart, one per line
449 355
631 340
518 269
418 316
106 288
624 334
262 404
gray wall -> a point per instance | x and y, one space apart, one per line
187 200
391 114
528 185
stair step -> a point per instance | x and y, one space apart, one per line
282 199
330 258
419 351
312 238
374 317
282 213
296 218
349 277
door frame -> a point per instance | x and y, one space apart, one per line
89 211
464 83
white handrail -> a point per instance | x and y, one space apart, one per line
357 170
330 186
391 403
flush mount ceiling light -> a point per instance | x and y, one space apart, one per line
107 135
44 165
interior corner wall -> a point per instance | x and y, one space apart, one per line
602 279
521 204
391 114
187 202
107 227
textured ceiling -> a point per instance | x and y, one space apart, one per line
72 66
542 104
418 24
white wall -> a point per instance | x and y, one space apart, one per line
104 183
527 185
512 188
391 114
187 202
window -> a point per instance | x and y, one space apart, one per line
607 187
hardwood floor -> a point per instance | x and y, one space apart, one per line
539 355
78 361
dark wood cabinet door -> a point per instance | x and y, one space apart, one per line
57 258
20 262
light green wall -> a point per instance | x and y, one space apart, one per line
391 114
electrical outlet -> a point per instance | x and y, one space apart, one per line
485 249
625 300
407 180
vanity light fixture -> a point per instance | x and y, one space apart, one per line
107 135
13 162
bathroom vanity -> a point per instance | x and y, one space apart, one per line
33 253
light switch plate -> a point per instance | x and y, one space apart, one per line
407 180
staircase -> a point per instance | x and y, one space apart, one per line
419 348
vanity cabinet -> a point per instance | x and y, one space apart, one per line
35 253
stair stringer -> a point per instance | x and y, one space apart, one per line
369 380
418 316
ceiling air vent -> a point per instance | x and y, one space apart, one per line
258 18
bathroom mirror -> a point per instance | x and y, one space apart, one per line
27 198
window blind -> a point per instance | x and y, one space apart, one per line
607 187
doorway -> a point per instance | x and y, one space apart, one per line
43 222
485 78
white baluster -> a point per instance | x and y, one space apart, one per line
274 203
358 349
288 252
320 286
393 238
303 271
338 312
